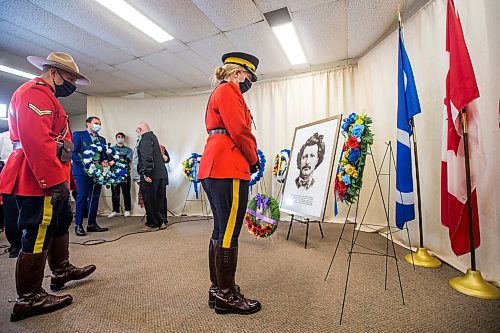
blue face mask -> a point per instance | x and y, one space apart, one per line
96 127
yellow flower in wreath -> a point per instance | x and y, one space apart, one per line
355 174
339 175
349 169
359 122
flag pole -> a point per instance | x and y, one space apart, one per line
472 283
421 257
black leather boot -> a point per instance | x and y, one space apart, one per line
33 300
228 298
62 270
212 291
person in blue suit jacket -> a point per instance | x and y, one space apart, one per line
88 192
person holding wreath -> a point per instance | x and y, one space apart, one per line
230 156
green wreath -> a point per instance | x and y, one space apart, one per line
263 215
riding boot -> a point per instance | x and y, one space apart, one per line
33 300
212 291
228 298
62 270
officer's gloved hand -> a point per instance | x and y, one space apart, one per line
254 168
59 192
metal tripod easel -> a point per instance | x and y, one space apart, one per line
388 232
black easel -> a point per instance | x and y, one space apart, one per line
205 209
388 233
307 220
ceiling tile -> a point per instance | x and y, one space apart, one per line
297 5
367 23
38 39
147 73
197 61
180 18
322 31
270 5
179 68
212 48
175 46
258 39
38 20
98 21
230 14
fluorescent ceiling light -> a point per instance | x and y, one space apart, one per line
289 41
3 111
17 72
137 19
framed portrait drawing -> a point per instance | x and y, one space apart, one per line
309 173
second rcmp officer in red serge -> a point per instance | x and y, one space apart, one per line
38 174
229 157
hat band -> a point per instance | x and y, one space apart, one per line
240 61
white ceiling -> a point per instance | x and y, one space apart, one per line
120 60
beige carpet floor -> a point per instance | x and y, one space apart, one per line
157 282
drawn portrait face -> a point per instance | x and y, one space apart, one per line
308 161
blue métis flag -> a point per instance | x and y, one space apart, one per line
408 106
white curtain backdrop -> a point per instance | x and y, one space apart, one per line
425 36
278 106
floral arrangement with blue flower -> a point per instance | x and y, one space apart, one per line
190 170
348 180
256 176
280 167
104 164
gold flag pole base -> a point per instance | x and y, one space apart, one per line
422 258
472 284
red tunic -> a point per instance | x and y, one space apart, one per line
35 118
228 156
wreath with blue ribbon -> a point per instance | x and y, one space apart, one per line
190 169
104 164
256 176
280 167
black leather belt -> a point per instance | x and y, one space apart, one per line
17 145
217 131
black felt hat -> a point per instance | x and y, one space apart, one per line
248 61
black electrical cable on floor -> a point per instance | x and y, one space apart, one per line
92 242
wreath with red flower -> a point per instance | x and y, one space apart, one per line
263 215
349 175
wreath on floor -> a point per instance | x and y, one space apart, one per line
263 215
349 175
256 176
190 170
104 164
280 167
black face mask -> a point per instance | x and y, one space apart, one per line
245 86
64 89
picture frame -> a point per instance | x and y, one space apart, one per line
309 175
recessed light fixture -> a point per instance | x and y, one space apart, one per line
281 23
137 19
17 72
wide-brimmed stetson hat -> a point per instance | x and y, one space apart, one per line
62 61
248 61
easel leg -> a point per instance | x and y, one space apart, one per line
289 228
307 233
321 229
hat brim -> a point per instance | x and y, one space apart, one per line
40 63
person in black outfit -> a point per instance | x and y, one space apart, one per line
151 169
12 231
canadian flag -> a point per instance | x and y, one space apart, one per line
461 91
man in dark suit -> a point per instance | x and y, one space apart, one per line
151 169
88 191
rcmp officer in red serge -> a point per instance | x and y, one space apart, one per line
38 174
230 156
